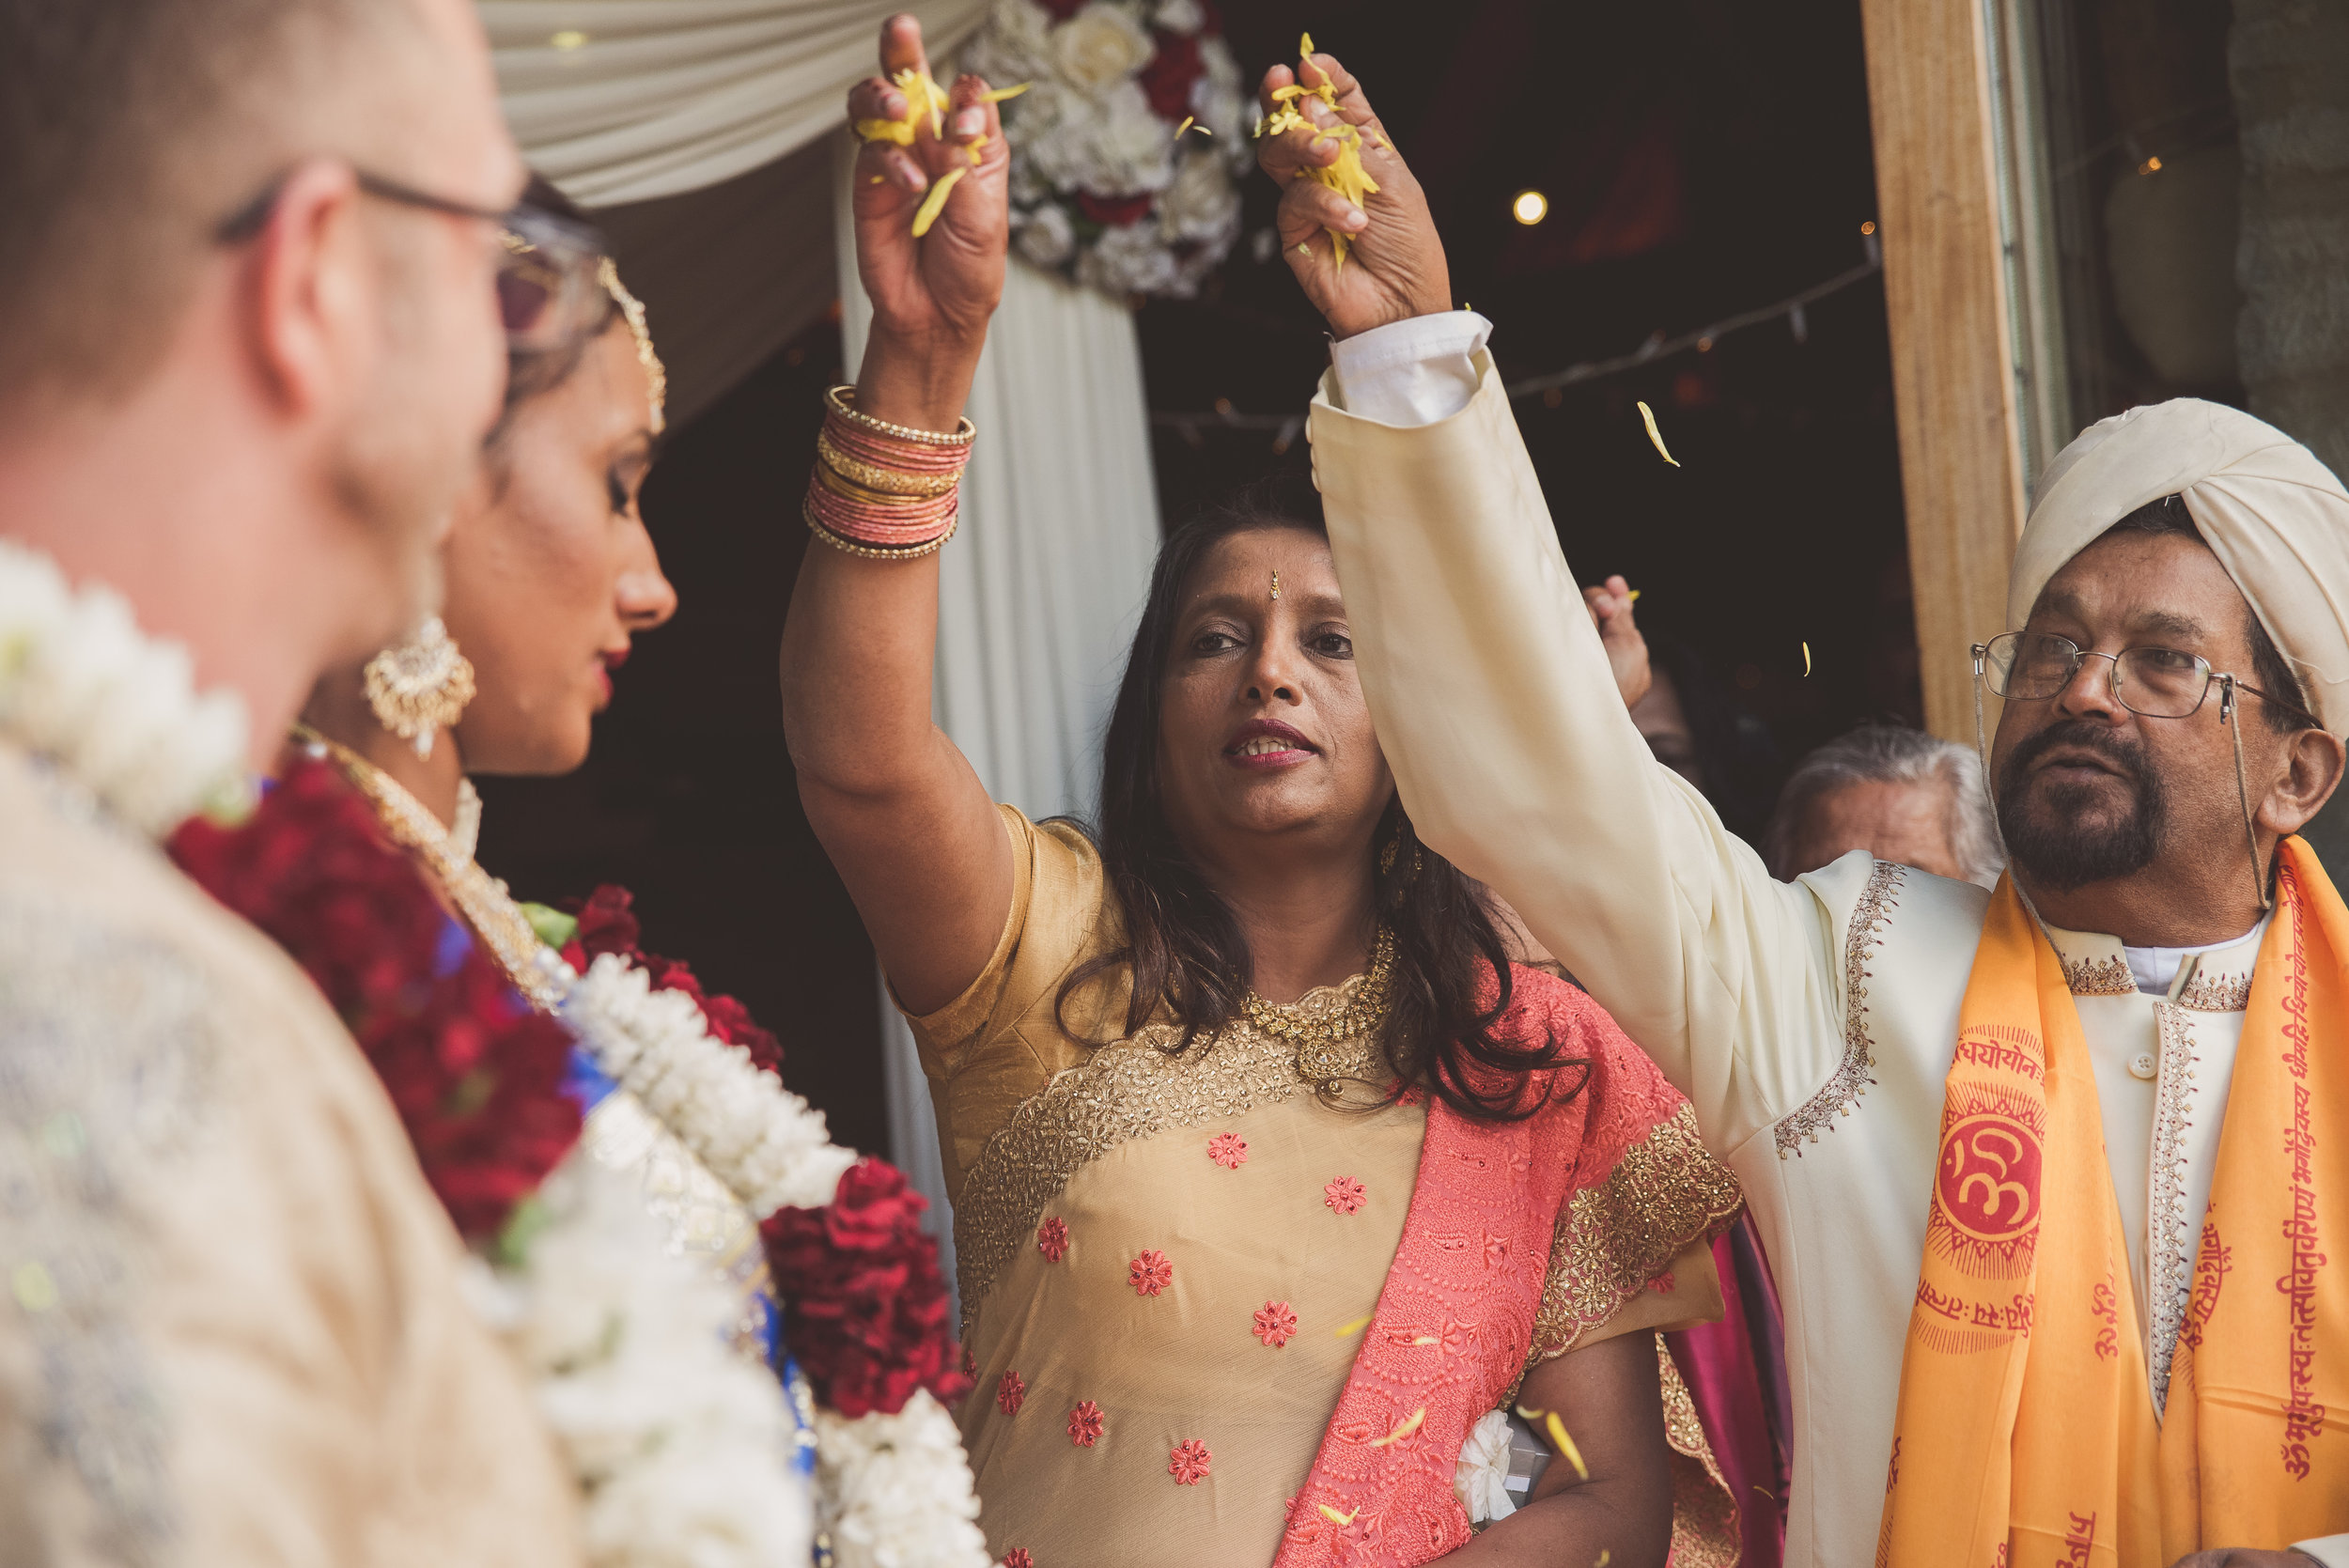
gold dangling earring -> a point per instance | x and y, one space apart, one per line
417 687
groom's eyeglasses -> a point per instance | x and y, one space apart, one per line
548 295
2153 683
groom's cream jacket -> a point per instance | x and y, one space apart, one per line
1811 1024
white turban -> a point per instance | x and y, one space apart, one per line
2277 518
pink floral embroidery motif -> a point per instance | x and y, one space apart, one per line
1150 1273
1011 1394
1017 1558
1662 1283
1188 1463
1084 1424
1051 1239
1276 1323
1344 1195
1228 1149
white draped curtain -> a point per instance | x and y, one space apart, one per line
623 100
1041 588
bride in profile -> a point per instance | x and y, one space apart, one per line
1277 1185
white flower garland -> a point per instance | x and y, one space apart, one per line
681 1449
895 1491
115 710
892 1491
767 1144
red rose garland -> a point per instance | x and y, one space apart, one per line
475 1075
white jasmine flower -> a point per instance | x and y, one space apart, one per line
895 1490
1179 16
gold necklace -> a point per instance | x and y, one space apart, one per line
1335 1045
480 898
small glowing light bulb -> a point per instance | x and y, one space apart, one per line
1529 208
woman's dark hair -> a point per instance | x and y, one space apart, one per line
534 372
1185 947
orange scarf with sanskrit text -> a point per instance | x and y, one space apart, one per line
2025 1429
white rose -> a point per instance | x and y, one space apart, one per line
1047 239
1114 147
1014 45
1130 260
1480 1478
1100 47
1179 16
1201 204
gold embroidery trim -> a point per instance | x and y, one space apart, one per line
1127 1090
1704 1510
2216 993
1667 1191
2168 1229
2098 977
1840 1096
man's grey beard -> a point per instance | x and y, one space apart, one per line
2053 845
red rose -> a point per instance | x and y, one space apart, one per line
608 923
1115 211
865 1306
1167 80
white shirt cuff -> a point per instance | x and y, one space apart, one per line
1412 372
2330 1550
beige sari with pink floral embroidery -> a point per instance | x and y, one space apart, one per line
1169 1264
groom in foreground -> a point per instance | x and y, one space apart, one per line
2049 1175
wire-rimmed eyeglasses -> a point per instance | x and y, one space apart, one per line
2150 682
549 294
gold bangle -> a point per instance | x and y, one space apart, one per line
837 399
883 481
849 490
868 553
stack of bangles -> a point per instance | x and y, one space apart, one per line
884 491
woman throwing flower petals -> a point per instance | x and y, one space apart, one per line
1276 1184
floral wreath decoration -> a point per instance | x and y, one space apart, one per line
679 1451
1107 188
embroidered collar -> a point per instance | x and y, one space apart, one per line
2215 979
113 711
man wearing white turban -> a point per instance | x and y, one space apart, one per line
2050 1176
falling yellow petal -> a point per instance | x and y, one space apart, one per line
1361 1323
1410 1423
935 203
1806 660
877 179
1427 1338
1656 435
1335 1518
1001 94
1188 123
1632 598
1564 1445
1605 1557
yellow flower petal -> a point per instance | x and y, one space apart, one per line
885 130
1806 660
1337 1518
1361 1323
935 203
1304 45
1564 1445
1188 123
1001 94
1656 435
1427 1338
1410 1424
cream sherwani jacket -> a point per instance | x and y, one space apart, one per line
1811 1024
232 1332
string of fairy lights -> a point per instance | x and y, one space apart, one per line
1192 426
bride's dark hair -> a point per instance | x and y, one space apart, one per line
1184 946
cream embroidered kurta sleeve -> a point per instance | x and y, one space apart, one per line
233 1334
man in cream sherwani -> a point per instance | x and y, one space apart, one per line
1998 1263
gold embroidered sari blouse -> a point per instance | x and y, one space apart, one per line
1166 1262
